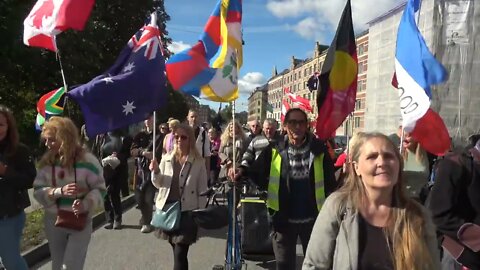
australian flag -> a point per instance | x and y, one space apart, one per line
130 90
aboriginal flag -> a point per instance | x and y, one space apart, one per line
338 78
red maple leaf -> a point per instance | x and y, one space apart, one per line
44 11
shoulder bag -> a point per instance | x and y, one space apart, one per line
67 219
168 219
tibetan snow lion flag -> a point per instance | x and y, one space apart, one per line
49 105
416 69
210 68
51 17
338 78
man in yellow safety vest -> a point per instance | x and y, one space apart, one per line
301 176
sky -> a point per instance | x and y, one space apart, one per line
273 31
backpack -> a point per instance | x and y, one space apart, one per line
425 190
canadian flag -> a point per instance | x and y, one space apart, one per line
285 108
50 17
299 101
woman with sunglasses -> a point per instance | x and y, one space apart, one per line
181 176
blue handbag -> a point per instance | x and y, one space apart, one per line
168 218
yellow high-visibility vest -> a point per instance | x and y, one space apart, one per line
274 181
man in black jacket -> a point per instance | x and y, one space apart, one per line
142 150
455 205
301 176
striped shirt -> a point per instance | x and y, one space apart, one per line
301 207
256 146
89 175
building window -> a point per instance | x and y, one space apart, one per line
358 104
310 71
294 87
360 49
304 72
357 122
362 67
361 86
295 76
258 111
315 67
258 103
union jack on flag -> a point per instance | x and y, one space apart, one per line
147 36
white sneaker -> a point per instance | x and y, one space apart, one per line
146 229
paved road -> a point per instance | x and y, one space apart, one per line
130 249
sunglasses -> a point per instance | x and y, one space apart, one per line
294 122
163 128
183 137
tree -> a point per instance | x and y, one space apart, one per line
176 107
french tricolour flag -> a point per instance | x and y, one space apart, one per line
416 69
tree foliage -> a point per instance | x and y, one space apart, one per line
226 114
27 73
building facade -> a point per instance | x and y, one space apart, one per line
296 77
275 94
383 105
257 103
203 111
356 122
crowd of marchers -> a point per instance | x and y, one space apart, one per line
379 205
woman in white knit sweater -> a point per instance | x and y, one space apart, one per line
68 179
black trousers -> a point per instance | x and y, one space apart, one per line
284 242
145 200
113 203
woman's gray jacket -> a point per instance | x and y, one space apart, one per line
334 240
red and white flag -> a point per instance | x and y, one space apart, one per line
299 101
50 17
285 108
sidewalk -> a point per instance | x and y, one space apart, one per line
130 249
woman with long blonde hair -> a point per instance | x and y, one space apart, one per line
181 176
226 147
69 179
370 223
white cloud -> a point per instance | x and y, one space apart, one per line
246 85
179 46
250 81
316 18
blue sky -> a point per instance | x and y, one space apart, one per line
274 31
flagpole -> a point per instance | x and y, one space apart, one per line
402 135
154 126
59 58
234 190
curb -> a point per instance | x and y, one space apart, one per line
41 252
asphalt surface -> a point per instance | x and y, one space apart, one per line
130 249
